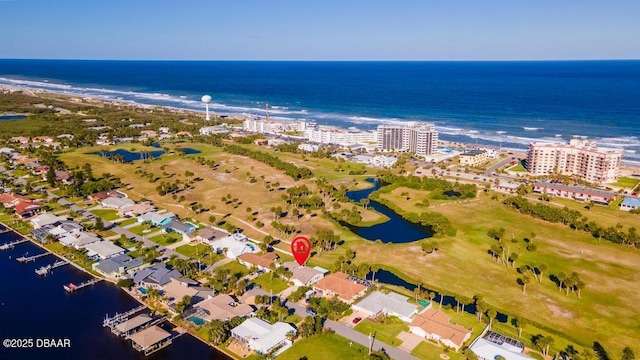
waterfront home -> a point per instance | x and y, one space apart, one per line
155 276
260 336
223 307
103 250
175 290
150 339
79 239
26 209
434 325
262 262
339 284
574 192
45 219
57 230
116 202
378 303
494 345
157 219
136 209
209 234
303 275
630 203
233 246
118 266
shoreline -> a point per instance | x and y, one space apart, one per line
114 283
516 141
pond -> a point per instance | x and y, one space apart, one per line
12 117
387 277
128 156
190 151
396 230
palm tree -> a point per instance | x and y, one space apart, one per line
491 313
374 270
523 281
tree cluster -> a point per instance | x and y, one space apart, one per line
290 169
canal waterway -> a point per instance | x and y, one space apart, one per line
396 230
34 307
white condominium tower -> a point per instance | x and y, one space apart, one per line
579 157
419 138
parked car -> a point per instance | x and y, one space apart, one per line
311 312
356 320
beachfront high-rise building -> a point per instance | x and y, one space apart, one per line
331 135
579 157
421 139
263 126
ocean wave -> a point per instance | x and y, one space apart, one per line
445 126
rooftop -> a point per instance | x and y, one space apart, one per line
435 321
339 284
631 202
576 189
149 336
380 302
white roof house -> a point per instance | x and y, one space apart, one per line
79 239
116 203
45 219
261 336
630 203
487 350
236 245
392 304
303 275
103 249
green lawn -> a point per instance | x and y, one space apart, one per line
166 239
23 227
235 268
429 351
627 182
517 167
293 319
325 347
204 253
106 214
275 285
128 222
140 230
384 332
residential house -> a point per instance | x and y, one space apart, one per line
261 336
148 134
493 346
262 262
339 284
26 209
223 307
433 324
303 275
630 203
378 303
136 209
155 276
178 227
10 200
63 176
233 245
507 186
157 219
103 249
45 219
116 203
209 234
79 239
118 266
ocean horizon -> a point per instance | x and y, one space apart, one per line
498 103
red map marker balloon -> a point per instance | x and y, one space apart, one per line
301 249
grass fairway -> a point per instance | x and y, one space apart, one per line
275 285
325 347
463 266
384 332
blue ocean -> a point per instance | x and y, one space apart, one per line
505 104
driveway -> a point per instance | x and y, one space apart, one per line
409 341
362 339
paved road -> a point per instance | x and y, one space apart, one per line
362 339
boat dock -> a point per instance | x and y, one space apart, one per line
127 328
26 259
4 230
10 245
45 270
71 287
111 322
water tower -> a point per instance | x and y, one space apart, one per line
206 100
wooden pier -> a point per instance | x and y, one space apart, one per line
10 245
111 322
26 259
71 287
46 270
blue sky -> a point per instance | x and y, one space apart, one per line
320 29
